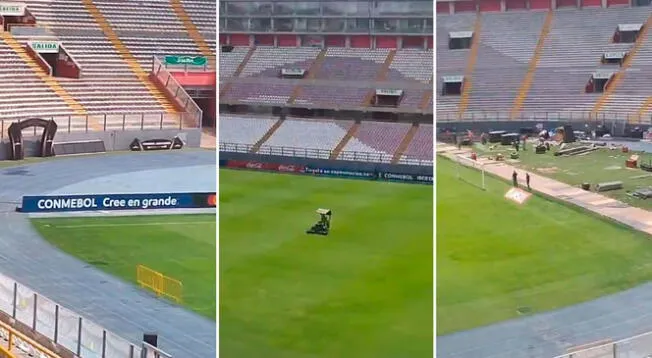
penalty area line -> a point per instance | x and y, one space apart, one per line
81 226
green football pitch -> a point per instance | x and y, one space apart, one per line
363 291
497 260
179 246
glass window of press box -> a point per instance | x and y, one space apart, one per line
409 16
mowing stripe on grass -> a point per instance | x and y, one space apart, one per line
131 224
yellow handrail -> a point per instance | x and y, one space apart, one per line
13 334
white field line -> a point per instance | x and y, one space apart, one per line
129 224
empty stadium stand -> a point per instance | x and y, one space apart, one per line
358 96
336 76
114 44
326 138
25 92
411 64
268 61
421 147
527 64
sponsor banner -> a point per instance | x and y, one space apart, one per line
45 46
111 202
12 9
343 173
291 168
410 178
246 164
340 173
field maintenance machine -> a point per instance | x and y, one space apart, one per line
322 227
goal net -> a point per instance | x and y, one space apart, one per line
470 171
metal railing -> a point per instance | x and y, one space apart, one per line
193 114
313 153
79 335
633 347
562 115
106 123
331 106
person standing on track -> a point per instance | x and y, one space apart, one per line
527 181
515 178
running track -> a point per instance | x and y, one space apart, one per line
113 304
549 334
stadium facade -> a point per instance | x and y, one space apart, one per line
356 24
457 6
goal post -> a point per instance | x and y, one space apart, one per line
475 166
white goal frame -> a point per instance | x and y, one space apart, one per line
470 163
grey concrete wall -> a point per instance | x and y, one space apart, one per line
331 164
113 140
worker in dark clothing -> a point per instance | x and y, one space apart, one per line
515 178
527 180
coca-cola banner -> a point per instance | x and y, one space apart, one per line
291 168
247 164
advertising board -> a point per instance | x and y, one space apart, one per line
112 202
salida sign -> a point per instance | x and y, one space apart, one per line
12 9
45 46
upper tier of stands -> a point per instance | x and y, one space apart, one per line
344 75
569 56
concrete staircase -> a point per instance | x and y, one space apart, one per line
381 76
470 66
46 78
615 81
345 140
167 105
297 91
193 32
532 67
643 113
227 86
405 143
266 136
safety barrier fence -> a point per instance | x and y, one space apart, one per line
633 347
107 123
192 113
62 326
572 116
159 283
313 153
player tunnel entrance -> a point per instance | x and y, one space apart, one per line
17 148
599 82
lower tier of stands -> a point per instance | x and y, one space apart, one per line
320 138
